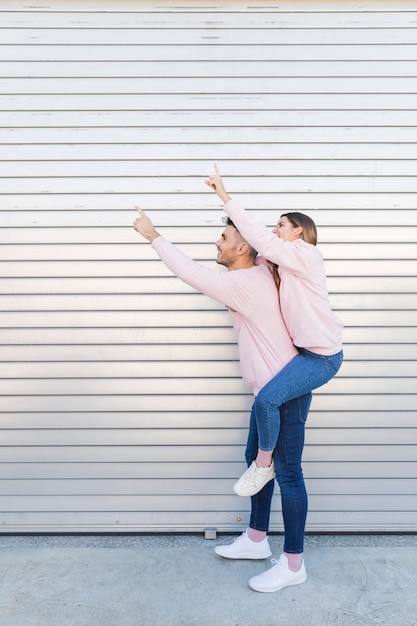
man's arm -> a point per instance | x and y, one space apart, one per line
222 286
144 226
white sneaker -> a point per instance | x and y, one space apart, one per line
278 576
254 479
245 548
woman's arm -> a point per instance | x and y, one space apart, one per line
297 257
216 183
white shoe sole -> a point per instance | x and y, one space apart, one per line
244 557
277 588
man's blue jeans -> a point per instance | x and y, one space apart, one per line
302 374
287 459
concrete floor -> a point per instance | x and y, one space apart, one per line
179 581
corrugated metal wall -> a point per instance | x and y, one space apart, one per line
121 397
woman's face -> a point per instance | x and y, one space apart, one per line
286 231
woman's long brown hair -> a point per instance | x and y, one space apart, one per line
275 275
309 234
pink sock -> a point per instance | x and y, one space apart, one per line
256 535
264 458
294 561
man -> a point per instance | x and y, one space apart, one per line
250 293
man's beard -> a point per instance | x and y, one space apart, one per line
220 261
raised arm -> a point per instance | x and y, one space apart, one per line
225 287
215 182
144 226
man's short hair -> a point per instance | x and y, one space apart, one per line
251 251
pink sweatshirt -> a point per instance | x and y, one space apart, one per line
303 291
264 344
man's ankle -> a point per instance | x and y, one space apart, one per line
294 561
256 535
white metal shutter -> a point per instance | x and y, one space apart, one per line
122 406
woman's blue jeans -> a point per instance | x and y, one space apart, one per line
302 374
287 459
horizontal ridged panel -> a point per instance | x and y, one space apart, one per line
122 405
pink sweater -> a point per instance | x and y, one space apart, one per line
303 291
251 295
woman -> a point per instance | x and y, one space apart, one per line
313 327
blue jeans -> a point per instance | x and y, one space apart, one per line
302 374
287 459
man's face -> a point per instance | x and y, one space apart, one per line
226 247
